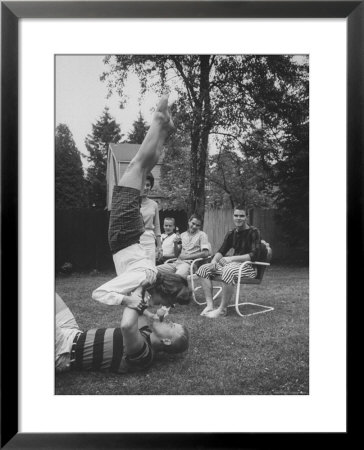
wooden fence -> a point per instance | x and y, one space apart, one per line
81 237
81 234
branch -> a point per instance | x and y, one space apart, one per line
229 135
189 87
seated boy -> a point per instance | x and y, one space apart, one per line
195 245
167 239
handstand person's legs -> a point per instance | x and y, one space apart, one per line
150 150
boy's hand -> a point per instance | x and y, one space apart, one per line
223 261
133 301
161 314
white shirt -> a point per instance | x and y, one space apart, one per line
193 243
132 268
168 244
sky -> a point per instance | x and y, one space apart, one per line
81 97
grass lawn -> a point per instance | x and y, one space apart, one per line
264 354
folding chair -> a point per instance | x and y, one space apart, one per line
261 267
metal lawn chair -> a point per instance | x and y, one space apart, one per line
261 268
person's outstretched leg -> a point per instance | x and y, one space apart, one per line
150 150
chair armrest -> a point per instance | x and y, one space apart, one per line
170 260
258 263
198 260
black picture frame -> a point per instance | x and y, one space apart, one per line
11 12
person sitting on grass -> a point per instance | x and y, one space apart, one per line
136 273
245 241
130 347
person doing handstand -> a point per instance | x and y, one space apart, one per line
135 271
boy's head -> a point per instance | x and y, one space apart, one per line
169 289
169 337
169 225
240 217
194 223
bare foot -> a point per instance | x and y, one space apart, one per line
216 313
163 114
206 310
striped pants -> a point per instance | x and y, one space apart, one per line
228 273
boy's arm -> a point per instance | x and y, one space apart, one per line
132 338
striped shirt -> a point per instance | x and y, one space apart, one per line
102 349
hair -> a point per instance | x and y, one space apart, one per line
179 343
195 216
173 288
171 219
240 207
150 178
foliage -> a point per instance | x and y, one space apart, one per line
175 171
70 189
293 196
291 172
137 134
245 101
234 180
104 132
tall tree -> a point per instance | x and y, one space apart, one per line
175 170
69 180
138 132
224 95
104 132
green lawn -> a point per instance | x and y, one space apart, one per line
258 355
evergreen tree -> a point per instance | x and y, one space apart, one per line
104 132
139 131
69 181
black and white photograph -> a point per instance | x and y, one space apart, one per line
182 224
181 188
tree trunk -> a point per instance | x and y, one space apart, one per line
199 141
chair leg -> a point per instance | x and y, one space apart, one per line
237 304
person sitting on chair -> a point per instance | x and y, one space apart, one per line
130 347
245 241
168 240
194 245
136 273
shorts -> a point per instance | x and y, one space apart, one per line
126 223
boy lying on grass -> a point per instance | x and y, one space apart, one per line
130 347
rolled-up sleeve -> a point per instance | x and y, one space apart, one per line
204 241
